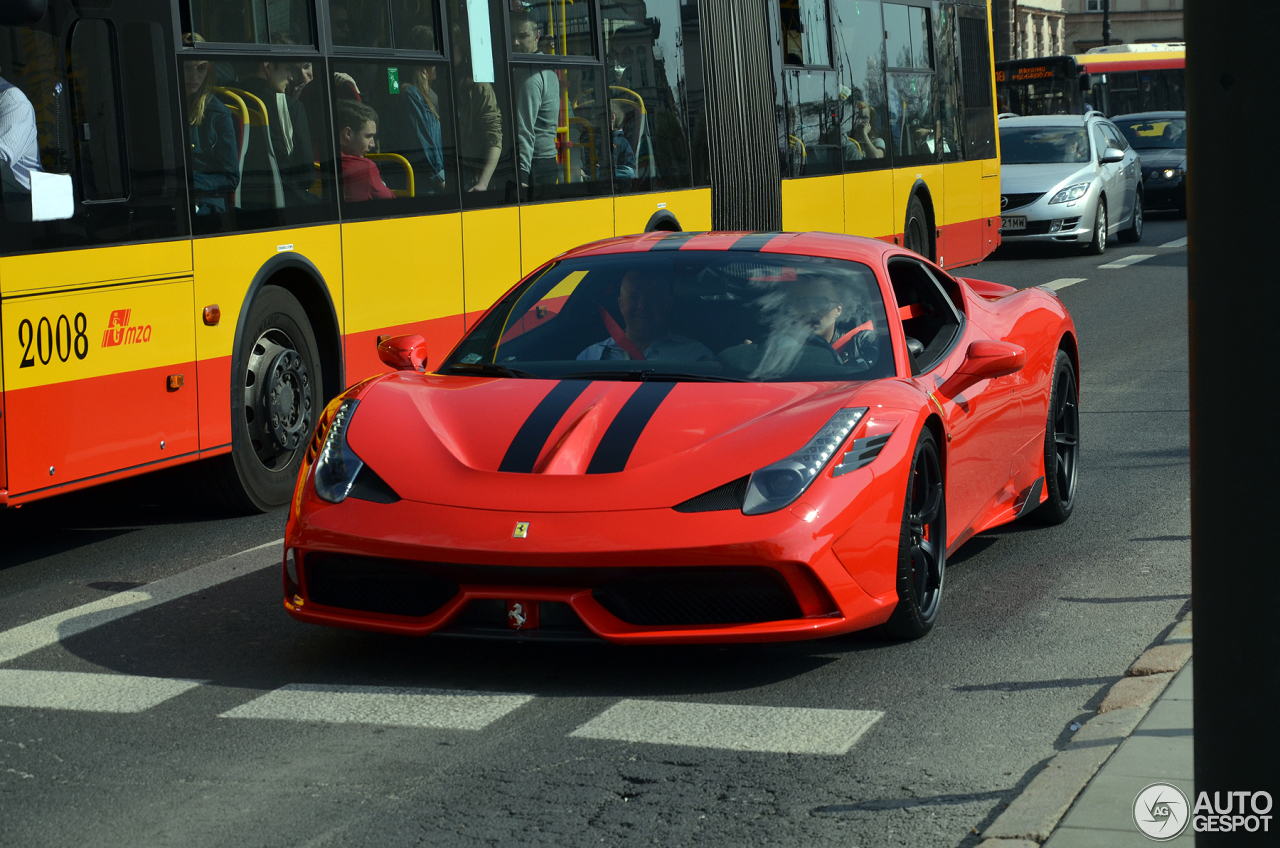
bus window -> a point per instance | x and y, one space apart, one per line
814 144
360 23
98 137
859 58
906 32
913 118
253 21
948 82
481 102
804 33
553 29
415 157
561 130
645 69
975 73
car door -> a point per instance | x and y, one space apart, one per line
1131 167
978 417
1112 174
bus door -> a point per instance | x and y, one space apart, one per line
96 305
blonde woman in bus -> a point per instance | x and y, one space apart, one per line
215 161
413 128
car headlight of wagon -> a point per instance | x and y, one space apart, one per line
337 464
777 485
1071 193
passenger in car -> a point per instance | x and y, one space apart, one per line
357 126
646 301
215 155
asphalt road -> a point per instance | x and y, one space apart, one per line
210 718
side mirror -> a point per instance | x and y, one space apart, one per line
989 359
404 353
1111 154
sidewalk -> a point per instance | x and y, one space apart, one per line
1142 734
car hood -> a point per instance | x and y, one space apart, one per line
552 446
1167 158
1028 179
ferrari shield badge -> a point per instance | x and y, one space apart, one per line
521 531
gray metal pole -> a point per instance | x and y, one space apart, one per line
1233 302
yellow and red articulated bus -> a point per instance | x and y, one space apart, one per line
1117 80
213 209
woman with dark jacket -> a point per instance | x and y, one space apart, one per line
215 156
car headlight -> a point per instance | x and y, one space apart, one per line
1071 193
1170 173
337 464
775 486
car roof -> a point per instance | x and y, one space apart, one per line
832 245
1147 116
1045 121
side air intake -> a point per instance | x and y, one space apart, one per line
728 496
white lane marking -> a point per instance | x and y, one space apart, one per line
93 693
782 730
1126 261
1182 242
47 631
440 709
1057 285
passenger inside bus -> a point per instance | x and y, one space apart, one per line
279 170
18 145
215 155
357 128
645 300
412 125
624 155
479 120
537 109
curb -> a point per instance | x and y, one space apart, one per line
1031 817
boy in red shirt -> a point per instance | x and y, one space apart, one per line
357 126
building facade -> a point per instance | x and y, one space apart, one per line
1132 22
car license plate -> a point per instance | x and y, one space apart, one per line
1013 222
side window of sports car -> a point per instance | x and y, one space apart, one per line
929 318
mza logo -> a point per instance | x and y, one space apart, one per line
120 332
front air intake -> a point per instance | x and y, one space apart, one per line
694 596
726 497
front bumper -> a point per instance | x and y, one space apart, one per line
1054 222
643 576
1162 194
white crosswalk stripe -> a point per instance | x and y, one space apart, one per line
436 709
782 730
1126 261
1057 285
86 692
1182 242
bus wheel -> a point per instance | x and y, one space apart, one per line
275 399
916 236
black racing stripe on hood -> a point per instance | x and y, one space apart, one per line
624 431
673 241
754 242
536 429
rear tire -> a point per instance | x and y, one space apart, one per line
1061 445
276 399
916 234
1133 233
1098 246
922 545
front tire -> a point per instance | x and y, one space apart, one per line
1133 233
1061 445
1098 246
922 545
276 398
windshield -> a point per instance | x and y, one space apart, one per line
1043 145
1160 134
687 315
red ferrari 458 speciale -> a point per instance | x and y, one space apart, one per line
690 437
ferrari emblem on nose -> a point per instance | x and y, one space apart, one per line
516 616
521 531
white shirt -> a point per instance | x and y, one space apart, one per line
18 144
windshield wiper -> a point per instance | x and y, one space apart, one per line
650 374
490 368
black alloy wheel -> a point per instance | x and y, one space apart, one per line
916 235
1061 445
1133 233
276 399
922 545
1098 246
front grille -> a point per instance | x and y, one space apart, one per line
644 596
728 496
375 585
1016 201
692 596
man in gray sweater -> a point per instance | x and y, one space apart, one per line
537 99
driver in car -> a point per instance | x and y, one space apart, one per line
646 302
